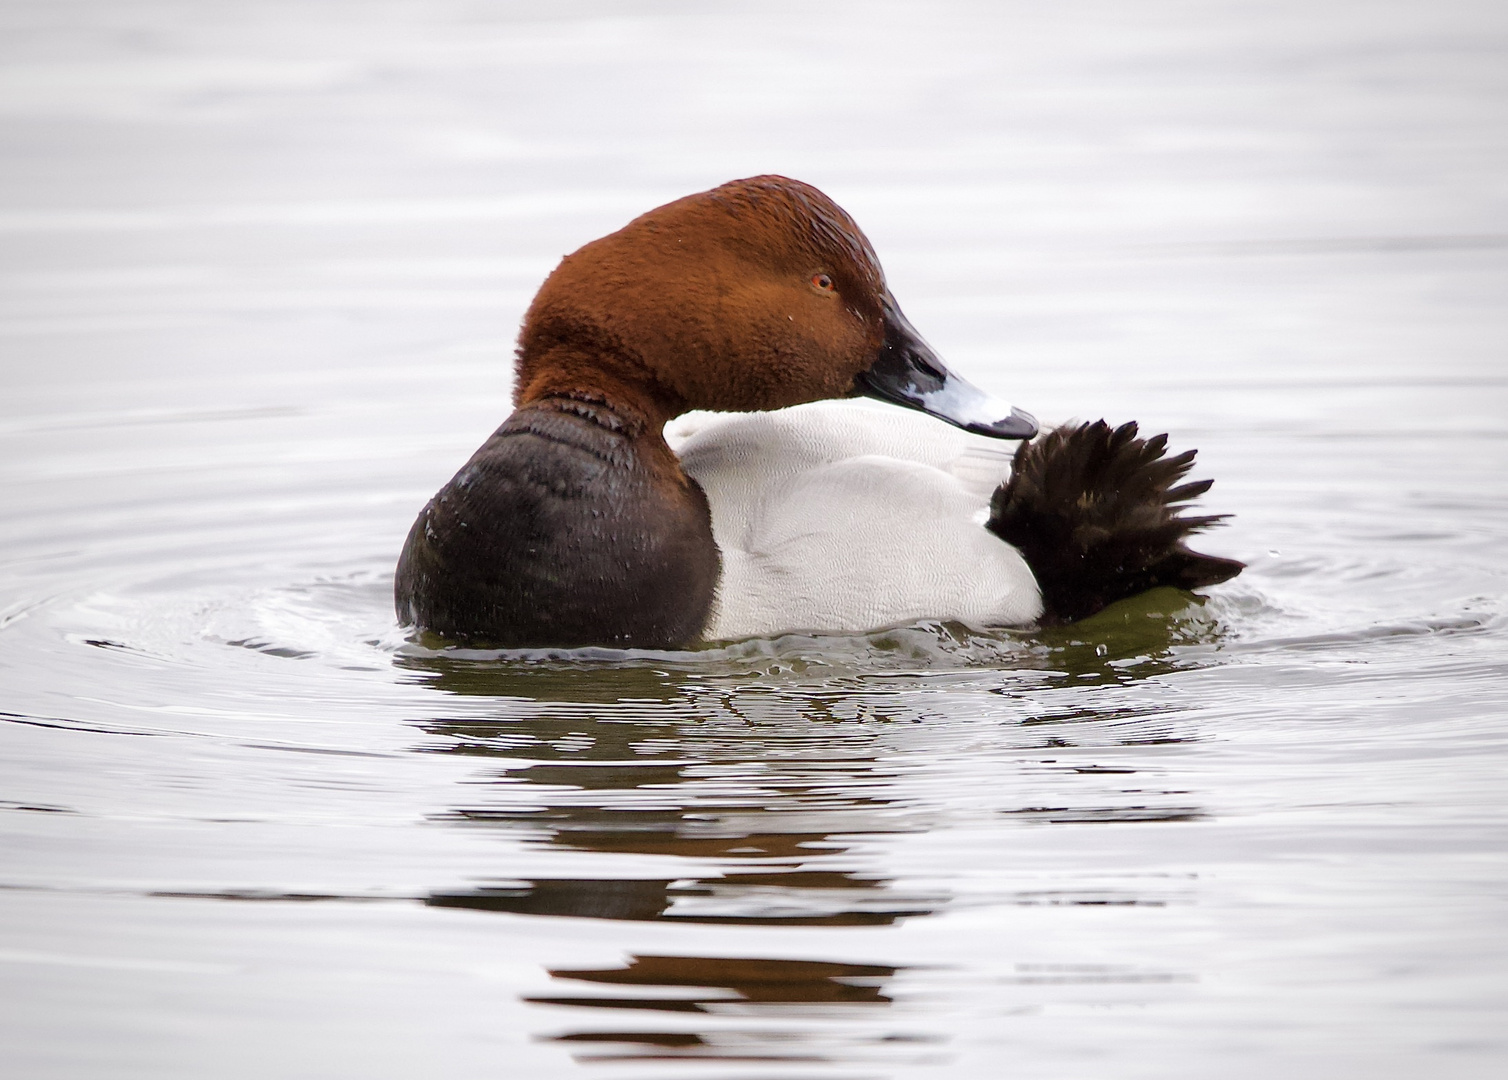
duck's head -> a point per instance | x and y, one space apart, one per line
758 294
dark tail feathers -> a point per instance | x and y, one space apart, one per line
1096 515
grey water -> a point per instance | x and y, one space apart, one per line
260 271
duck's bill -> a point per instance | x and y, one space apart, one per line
909 373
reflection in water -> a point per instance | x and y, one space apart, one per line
1133 639
759 784
778 982
579 677
734 988
788 898
1064 815
740 866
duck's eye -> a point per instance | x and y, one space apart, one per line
822 283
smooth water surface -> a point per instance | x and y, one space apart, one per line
260 270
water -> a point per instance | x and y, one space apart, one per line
262 266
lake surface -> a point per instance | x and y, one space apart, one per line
262 266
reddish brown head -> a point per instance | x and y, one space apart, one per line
758 294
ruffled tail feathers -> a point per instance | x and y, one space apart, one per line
1097 514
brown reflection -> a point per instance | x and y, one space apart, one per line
788 898
661 832
754 815
747 987
769 858
545 680
593 898
746 800
778 982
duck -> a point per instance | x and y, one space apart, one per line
724 427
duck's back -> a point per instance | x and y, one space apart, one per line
837 516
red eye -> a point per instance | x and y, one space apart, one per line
822 283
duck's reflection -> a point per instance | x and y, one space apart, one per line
755 806
657 794
740 866
579 677
788 898
719 983
743 803
732 987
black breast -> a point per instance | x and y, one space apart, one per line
563 530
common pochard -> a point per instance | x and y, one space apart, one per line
576 523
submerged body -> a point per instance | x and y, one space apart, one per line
577 524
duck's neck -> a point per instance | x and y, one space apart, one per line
598 379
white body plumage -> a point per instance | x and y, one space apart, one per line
844 516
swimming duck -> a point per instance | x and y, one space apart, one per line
576 523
